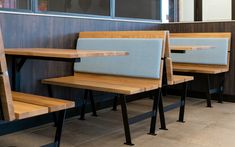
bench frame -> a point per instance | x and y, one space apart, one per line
155 94
210 90
7 113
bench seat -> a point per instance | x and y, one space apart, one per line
205 69
110 83
178 79
28 105
107 83
25 110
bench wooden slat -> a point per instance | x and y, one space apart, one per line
6 98
52 104
108 83
25 110
177 79
5 87
61 53
122 34
199 68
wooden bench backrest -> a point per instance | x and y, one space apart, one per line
127 35
225 35
168 61
5 88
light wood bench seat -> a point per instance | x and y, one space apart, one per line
51 104
106 83
26 110
196 68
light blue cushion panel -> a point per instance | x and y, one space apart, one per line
217 55
144 57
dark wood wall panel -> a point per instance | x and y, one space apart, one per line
57 32
210 27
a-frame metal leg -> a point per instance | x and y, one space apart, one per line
59 127
125 120
50 93
182 107
208 92
161 113
83 108
156 99
115 103
221 99
92 103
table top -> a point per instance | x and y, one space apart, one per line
188 47
61 53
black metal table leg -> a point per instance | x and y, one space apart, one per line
208 92
83 108
115 103
154 114
125 120
182 107
92 103
221 99
59 128
161 113
17 64
50 93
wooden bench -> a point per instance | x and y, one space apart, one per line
140 72
206 61
17 106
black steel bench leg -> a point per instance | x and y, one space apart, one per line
208 92
115 103
221 99
156 98
92 103
83 108
50 93
59 127
161 113
182 107
125 120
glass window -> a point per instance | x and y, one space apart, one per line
145 9
94 7
15 4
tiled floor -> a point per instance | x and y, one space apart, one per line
204 127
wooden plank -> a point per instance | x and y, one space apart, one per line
25 110
122 34
52 103
169 71
61 53
106 83
6 98
189 48
199 68
202 35
178 79
5 88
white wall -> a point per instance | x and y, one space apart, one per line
217 10
186 8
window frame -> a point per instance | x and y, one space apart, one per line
34 10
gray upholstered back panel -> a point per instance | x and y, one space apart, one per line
144 57
217 55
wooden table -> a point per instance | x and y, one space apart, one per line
184 48
20 55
